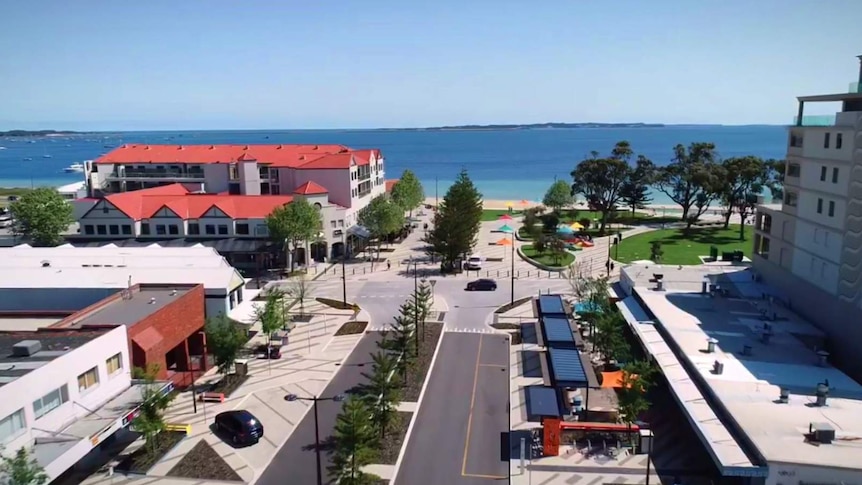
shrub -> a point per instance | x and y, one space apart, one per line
550 221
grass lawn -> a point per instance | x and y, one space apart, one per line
546 257
494 214
681 248
19 191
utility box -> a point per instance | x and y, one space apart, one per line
241 367
645 440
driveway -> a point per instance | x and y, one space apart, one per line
295 461
462 424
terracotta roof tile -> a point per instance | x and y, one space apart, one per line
310 188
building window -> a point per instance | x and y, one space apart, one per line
831 208
127 229
839 139
820 206
823 171
88 379
210 229
105 209
835 175
233 172
51 401
173 229
264 188
145 229
793 170
101 230
341 223
194 228
12 425
790 199
795 140
233 189
114 229
242 228
114 364
88 229
332 223
222 229
161 230
826 140
276 190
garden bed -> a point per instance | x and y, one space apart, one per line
418 373
141 460
351 328
390 447
506 326
515 304
203 463
337 304
546 258
228 385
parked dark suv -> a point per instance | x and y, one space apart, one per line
240 426
482 285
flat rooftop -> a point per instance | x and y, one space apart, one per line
140 303
746 392
51 346
21 323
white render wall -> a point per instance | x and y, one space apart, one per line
65 369
813 139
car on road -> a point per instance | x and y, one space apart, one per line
268 351
240 426
474 263
483 284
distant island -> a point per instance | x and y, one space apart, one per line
542 126
38 133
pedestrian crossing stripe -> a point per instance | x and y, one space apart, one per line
469 330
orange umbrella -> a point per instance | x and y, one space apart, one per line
505 217
524 202
504 242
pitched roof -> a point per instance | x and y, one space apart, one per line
284 156
144 204
310 188
390 184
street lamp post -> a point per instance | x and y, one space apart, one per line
513 269
343 271
315 399
415 302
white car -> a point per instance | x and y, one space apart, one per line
474 262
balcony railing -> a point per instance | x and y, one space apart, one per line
156 175
855 88
816 120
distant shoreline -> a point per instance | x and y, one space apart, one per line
18 133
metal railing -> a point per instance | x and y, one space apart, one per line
815 120
128 174
855 88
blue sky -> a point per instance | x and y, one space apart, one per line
189 64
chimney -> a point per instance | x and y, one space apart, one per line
710 345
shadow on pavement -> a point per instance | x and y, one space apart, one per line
528 333
531 364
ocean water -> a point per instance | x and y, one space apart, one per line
504 164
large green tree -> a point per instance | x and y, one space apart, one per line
692 179
22 469
637 378
271 315
559 195
293 225
382 390
42 215
456 222
355 444
408 192
634 192
600 180
775 182
381 217
224 340
745 178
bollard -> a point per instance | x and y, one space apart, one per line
353 271
498 273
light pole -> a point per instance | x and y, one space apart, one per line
512 302
343 271
415 301
649 457
315 399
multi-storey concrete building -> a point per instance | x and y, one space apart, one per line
810 245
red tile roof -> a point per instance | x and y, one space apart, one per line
390 184
310 188
144 204
285 156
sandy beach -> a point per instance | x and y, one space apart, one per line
520 204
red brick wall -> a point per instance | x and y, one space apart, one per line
175 322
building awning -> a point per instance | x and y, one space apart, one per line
557 332
148 339
542 402
567 368
551 305
359 231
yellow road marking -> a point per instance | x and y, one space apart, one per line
472 403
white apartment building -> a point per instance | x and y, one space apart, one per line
810 245
62 393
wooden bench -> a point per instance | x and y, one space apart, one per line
185 428
212 397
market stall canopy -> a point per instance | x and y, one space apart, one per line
505 228
505 217
504 242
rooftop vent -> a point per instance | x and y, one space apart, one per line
173 292
718 368
823 358
152 301
821 433
46 264
821 393
784 396
26 348
710 345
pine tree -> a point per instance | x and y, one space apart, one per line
456 222
400 340
355 444
423 300
382 391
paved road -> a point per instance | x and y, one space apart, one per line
294 462
457 438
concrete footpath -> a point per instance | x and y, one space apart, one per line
308 362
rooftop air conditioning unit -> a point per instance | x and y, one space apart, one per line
26 348
718 368
821 393
821 433
784 396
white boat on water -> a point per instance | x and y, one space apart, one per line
74 168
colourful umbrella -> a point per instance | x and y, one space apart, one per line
509 204
504 242
524 202
565 230
577 226
505 217
505 228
